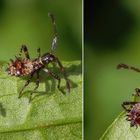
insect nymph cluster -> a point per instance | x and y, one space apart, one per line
132 107
30 67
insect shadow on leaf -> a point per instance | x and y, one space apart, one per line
2 110
50 84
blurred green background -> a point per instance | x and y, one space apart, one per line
27 22
112 36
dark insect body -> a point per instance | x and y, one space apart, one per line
27 67
132 108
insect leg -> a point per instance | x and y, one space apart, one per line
125 104
62 69
137 92
26 84
55 77
25 50
124 66
37 85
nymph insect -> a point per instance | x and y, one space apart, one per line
132 108
28 67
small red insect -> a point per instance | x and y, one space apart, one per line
28 67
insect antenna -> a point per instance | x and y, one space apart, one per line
55 36
124 66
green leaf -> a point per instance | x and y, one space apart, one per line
50 116
120 130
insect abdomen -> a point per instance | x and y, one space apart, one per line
20 67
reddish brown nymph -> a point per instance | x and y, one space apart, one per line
29 67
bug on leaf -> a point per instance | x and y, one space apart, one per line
29 67
132 108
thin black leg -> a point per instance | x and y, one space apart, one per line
125 104
26 84
55 77
25 51
62 69
37 85
137 92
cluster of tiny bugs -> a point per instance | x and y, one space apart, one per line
29 67
132 108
